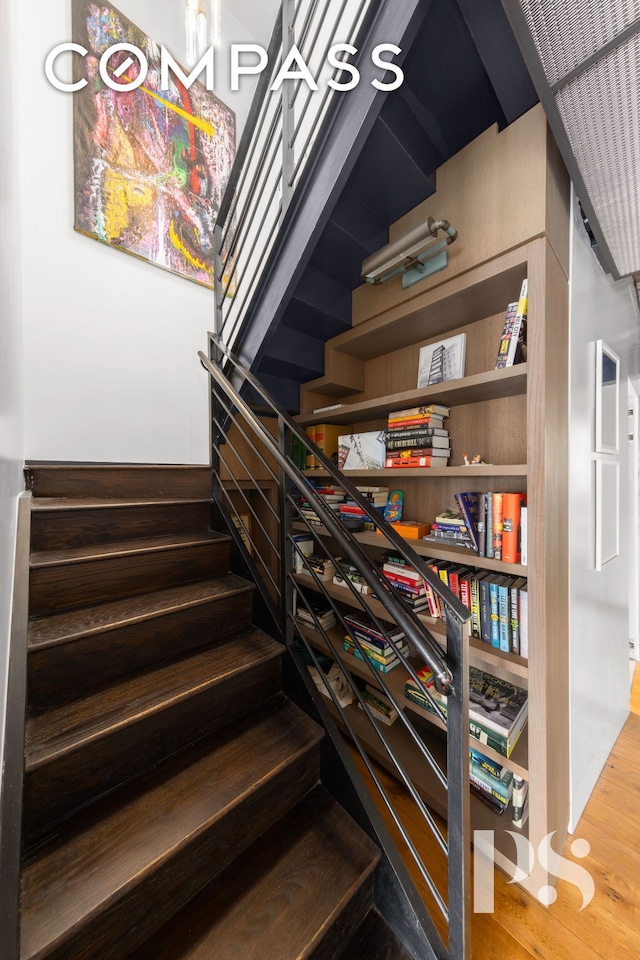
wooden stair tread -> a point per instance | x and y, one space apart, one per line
60 504
282 899
65 728
127 548
74 624
98 859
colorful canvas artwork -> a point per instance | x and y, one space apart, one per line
150 166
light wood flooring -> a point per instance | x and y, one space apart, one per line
521 928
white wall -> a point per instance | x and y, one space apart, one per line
11 453
110 342
599 655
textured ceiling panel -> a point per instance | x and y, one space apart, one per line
566 32
599 110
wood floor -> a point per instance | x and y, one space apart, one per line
521 928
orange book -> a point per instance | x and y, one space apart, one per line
411 529
511 505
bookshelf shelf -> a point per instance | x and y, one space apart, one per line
427 549
490 385
488 470
395 680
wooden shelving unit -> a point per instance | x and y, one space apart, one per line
515 418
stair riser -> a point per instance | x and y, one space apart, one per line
141 481
57 529
115 933
66 783
344 925
70 585
60 672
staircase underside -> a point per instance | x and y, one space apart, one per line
463 73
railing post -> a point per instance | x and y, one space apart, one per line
286 529
288 117
214 416
218 318
458 791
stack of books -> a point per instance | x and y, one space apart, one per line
375 647
490 781
498 710
304 547
416 437
376 496
379 706
322 566
347 574
458 528
406 581
324 614
332 496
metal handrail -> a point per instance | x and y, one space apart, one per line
284 596
418 634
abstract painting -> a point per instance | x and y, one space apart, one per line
150 165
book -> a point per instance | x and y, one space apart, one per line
413 452
491 766
341 581
393 463
410 529
524 515
413 423
515 352
482 525
514 604
373 653
512 504
442 360
420 441
504 614
468 504
426 428
304 546
331 406
524 622
497 525
381 667
485 607
415 586
495 613
379 706
501 788
489 551
325 436
507 333
366 625
431 408
403 570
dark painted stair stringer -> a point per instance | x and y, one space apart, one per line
168 778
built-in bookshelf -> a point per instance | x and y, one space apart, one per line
515 419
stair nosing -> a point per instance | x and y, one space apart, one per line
56 754
32 647
61 504
110 554
341 905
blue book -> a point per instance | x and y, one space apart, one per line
468 504
504 612
495 615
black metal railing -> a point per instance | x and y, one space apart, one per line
268 502
281 130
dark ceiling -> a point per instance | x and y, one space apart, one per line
463 73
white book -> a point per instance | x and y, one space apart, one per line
523 536
524 623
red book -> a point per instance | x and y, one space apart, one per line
428 421
511 505
396 462
407 581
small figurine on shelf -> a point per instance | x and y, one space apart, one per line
476 462
393 508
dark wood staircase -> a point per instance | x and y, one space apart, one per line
172 798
